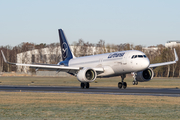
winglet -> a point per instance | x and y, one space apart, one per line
176 57
6 60
165 63
4 57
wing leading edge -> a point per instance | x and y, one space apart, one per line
51 66
165 63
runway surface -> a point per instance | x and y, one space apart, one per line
97 90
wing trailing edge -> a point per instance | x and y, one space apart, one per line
50 66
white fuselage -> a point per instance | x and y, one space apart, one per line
115 63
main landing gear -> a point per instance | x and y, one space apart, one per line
135 82
85 85
122 84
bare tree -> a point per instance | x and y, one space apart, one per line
100 47
51 54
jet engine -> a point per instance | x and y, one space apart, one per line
144 76
86 75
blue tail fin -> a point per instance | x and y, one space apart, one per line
65 49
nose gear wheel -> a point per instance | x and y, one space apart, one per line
135 82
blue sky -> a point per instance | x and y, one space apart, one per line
139 22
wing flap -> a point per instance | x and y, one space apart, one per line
50 67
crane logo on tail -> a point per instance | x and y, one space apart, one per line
64 50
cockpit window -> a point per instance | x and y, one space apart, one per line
138 56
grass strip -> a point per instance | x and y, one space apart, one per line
52 106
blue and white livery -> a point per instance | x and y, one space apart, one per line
88 68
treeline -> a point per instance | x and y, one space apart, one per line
156 54
11 54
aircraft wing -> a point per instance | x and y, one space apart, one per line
53 67
165 63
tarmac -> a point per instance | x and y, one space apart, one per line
96 90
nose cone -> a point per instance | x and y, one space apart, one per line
145 63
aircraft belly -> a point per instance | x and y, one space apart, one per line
121 69
108 71
118 69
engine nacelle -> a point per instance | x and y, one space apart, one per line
86 75
144 76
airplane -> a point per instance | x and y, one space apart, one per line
88 68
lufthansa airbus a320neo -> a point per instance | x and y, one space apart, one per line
88 68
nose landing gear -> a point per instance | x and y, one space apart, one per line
135 82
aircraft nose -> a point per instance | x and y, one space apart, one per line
145 63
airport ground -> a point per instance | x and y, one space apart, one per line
99 82
53 105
